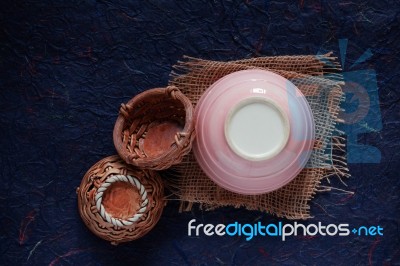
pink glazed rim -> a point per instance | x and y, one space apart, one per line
227 167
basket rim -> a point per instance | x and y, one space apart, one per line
127 179
186 134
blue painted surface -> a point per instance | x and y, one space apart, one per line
65 67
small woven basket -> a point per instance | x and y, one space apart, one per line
155 129
118 202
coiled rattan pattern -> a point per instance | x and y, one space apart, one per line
151 194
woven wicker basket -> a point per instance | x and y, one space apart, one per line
118 202
155 129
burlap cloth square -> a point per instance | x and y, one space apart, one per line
319 79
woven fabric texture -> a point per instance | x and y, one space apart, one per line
319 79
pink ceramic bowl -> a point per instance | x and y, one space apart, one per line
255 132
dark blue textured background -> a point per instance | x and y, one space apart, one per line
66 67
